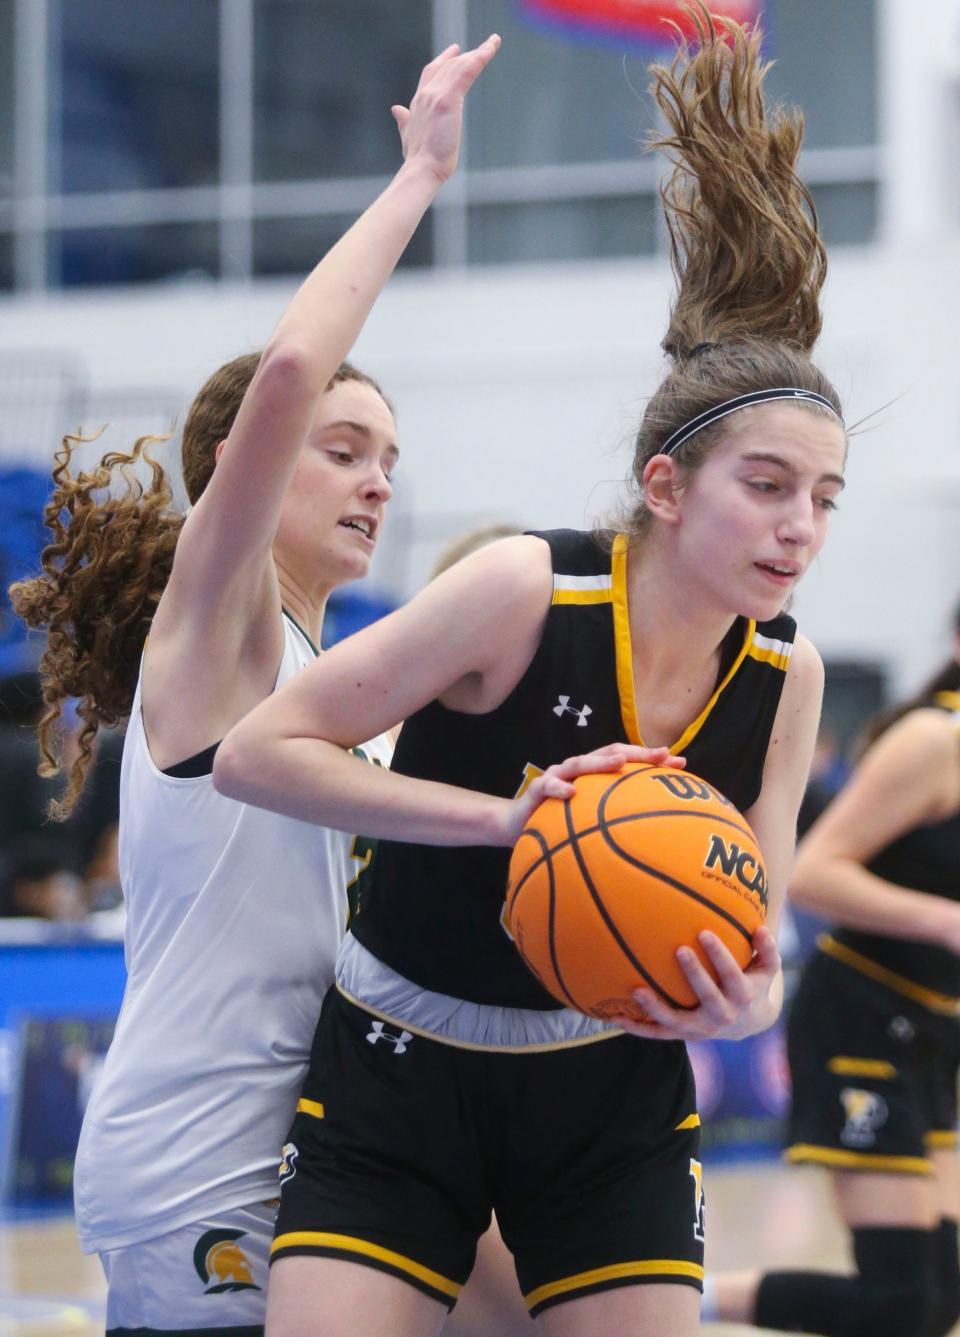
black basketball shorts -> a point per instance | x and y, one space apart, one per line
402 1145
874 1073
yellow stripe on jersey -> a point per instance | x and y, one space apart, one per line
949 700
693 729
621 636
861 1067
857 1160
324 1239
582 589
943 1004
565 596
313 1107
691 1121
769 651
940 1137
624 647
647 1267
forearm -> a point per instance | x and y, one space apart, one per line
845 892
334 300
317 781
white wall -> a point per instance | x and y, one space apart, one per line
517 391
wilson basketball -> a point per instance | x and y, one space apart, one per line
605 886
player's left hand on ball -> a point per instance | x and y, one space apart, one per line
733 1005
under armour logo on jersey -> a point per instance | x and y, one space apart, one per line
564 708
399 1042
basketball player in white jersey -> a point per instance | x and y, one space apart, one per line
234 914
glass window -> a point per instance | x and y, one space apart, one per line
141 254
548 99
295 245
137 97
6 99
826 60
562 230
325 77
847 211
6 260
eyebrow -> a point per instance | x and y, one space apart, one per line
766 458
360 429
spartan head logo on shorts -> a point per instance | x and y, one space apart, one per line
865 1112
219 1258
288 1166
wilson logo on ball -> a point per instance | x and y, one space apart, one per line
689 787
738 863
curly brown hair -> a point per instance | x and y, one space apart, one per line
108 564
745 242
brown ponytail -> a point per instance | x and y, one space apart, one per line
108 564
745 244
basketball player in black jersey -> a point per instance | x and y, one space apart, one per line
445 1082
874 1040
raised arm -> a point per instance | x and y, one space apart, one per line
216 637
908 778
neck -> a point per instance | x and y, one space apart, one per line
306 607
673 628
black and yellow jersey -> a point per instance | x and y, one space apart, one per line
925 859
432 913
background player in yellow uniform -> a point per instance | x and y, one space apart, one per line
444 1081
874 1037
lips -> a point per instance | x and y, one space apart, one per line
782 573
364 525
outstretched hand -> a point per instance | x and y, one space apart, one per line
430 127
735 1004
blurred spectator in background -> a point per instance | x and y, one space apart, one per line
39 882
31 846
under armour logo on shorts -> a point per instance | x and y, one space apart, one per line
399 1042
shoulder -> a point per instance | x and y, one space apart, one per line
806 666
509 569
924 736
803 684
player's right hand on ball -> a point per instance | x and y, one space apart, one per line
557 781
430 126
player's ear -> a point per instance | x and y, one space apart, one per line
660 488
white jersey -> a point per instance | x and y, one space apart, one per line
234 917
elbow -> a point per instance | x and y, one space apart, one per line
286 370
806 886
232 767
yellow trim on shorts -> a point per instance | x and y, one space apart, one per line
613 1034
313 1107
856 1160
861 1067
691 1121
647 1267
942 1003
941 1137
325 1239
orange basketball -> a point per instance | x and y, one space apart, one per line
606 885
